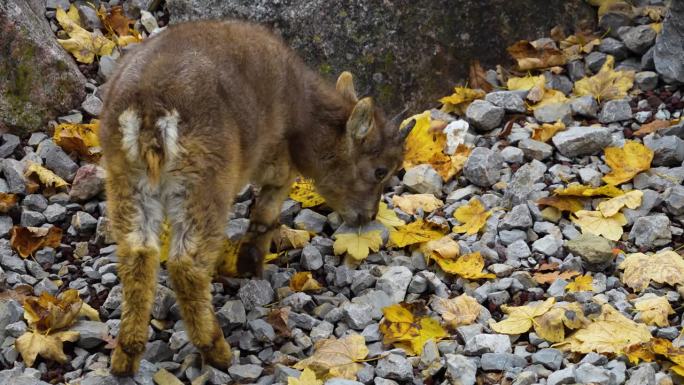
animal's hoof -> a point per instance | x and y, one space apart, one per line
219 355
124 364
250 260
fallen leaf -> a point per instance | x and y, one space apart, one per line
7 202
357 245
80 138
81 43
425 145
664 347
654 310
467 266
279 319
119 27
627 162
477 77
535 84
607 84
663 267
411 203
460 311
406 326
287 238
303 281
388 217
472 216
631 199
562 203
610 332
550 97
593 222
520 318
544 278
552 324
579 44
47 312
89 312
606 6
27 240
547 131
652 127
531 56
33 344
304 192
460 100
581 283
164 377
579 190
336 357
48 179
308 377
442 248
414 233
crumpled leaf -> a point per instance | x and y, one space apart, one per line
119 27
654 310
33 344
413 233
278 318
562 203
80 138
631 199
546 131
610 332
50 181
411 203
579 44
81 43
652 127
472 216
287 238
303 281
550 97
520 318
663 267
460 100
578 190
593 222
388 217
308 377
304 192
530 55
627 161
468 266
425 145
551 325
459 311
477 77
406 326
336 357
7 201
357 245
27 240
607 84
47 312
581 283
544 278
442 248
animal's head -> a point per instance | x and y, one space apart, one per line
366 154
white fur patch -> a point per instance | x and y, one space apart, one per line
168 126
129 124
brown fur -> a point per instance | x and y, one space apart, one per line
247 110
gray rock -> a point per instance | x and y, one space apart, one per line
501 361
563 376
342 381
484 115
614 47
488 343
5 225
13 170
668 48
646 80
638 39
357 315
550 358
263 331
460 369
394 282
615 111
554 112
31 218
483 167
89 18
9 143
585 106
11 261
518 250
547 245
394 367
60 163
595 61
590 176
88 182
107 66
157 351
45 285
35 202
579 141
651 231
92 333
595 251
55 213
311 258
512 154
576 70
522 184
674 199
590 374
83 222
643 375
232 313
249 372
535 149
237 228
667 150
310 221
92 104
423 179
508 100
256 293
518 218
164 298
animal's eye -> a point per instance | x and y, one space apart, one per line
380 173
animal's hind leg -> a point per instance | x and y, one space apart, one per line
136 215
197 214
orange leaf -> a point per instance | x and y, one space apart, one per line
652 127
7 201
27 240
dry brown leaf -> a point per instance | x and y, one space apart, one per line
7 202
652 127
477 77
529 56
278 318
544 278
27 240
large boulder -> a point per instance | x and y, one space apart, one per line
400 51
38 79
669 47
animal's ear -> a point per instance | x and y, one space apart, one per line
361 121
345 86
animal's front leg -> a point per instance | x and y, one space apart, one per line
263 222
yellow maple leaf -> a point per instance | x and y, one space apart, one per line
303 281
82 44
388 217
47 312
459 311
610 332
467 266
579 190
607 84
336 357
654 310
581 283
410 203
535 84
287 238
460 100
546 131
551 325
663 267
79 138
357 245
473 217
407 327
520 318
562 203
304 192
45 177
308 377
593 222
49 346
413 233
550 97
627 161
631 199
